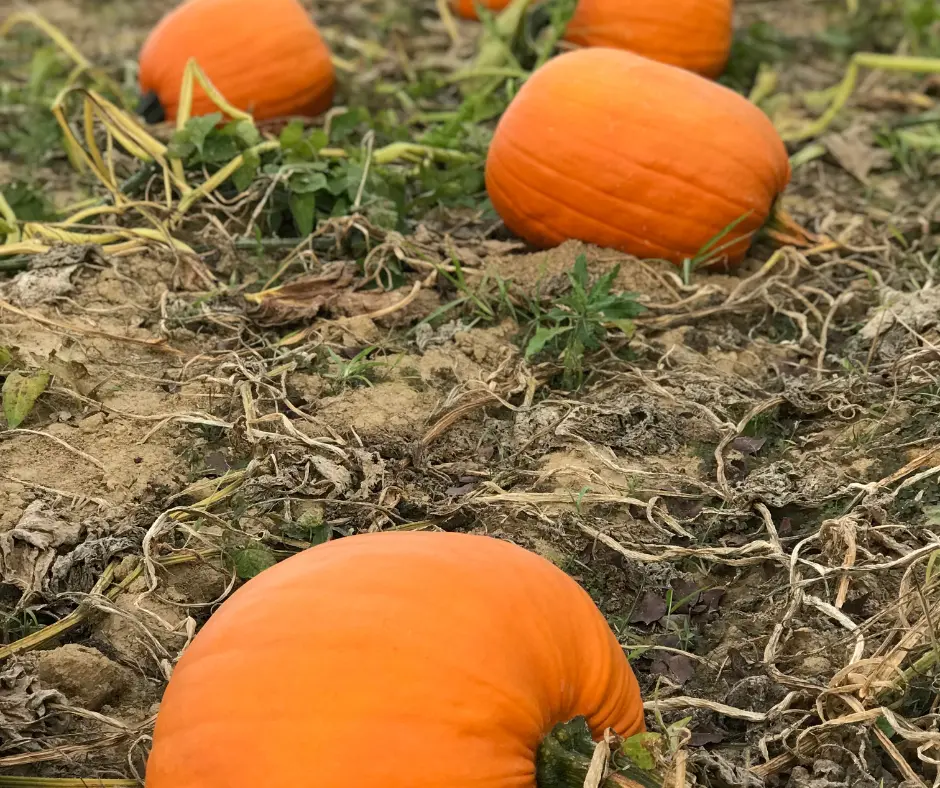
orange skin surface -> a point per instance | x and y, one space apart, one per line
611 148
467 9
265 56
401 660
692 34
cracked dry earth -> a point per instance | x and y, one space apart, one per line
748 490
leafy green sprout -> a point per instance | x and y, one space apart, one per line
577 323
357 370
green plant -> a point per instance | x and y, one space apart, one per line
577 323
358 370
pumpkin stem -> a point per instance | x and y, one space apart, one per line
786 230
564 757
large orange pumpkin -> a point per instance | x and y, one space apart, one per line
611 148
400 660
691 34
265 56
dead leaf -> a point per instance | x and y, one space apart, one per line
40 286
73 373
748 445
332 292
856 153
709 601
373 472
685 594
335 474
677 667
702 736
22 704
304 297
649 609
29 549
916 310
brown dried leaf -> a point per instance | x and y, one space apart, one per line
304 297
22 703
855 152
651 607
677 667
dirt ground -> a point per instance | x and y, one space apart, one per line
747 486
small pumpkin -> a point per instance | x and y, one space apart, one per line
401 660
607 147
265 56
692 34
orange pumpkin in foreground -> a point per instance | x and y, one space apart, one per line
692 34
611 148
400 660
265 56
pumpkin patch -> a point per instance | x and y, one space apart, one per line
611 148
265 56
457 653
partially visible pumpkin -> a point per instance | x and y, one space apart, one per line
400 660
692 34
265 56
611 148
467 8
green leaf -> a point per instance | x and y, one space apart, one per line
626 326
640 750
245 174
198 129
6 357
244 131
252 561
20 393
292 135
192 137
885 727
307 182
44 67
542 337
343 125
622 307
303 208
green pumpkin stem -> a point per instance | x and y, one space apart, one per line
564 758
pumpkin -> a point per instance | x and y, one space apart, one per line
692 34
265 57
607 147
467 8
401 660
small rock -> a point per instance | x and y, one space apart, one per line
815 667
84 675
92 423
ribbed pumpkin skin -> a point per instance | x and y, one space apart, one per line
401 660
611 148
692 34
265 56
